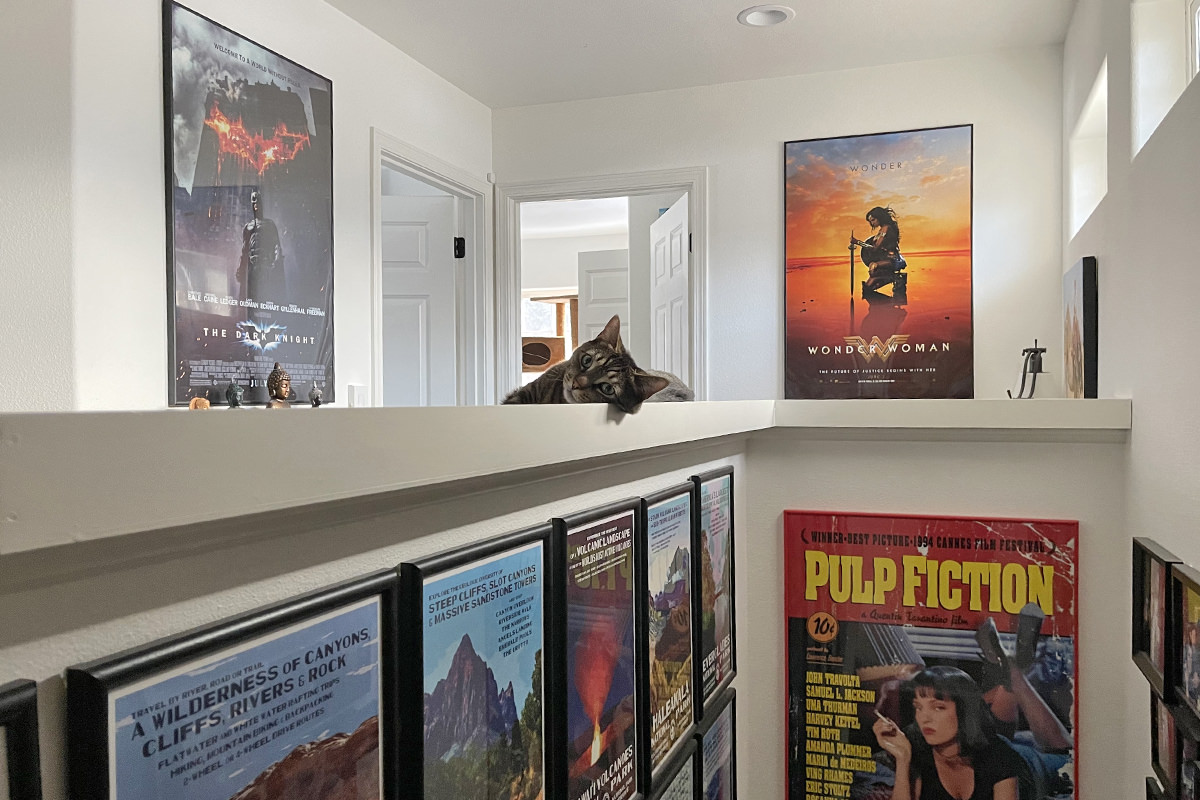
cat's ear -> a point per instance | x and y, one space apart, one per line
611 335
647 384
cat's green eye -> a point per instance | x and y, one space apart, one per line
606 388
585 361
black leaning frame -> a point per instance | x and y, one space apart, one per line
1165 778
1091 326
89 684
1153 790
702 699
412 585
19 719
1181 579
1146 551
169 191
562 527
727 698
680 759
691 490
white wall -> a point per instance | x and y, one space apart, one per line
72 604
553 262
87 253
1147 314
787 470
36 324
738 131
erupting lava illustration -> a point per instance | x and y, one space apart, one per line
595 657
255 149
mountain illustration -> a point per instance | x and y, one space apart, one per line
466 709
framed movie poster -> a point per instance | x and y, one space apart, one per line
1163 743
249 166
669 643
714 610
264 704
1185 597
877 268
1186 782
1080 328
716 741
20 768
1153 616
887 611
602 595
677 780
475 630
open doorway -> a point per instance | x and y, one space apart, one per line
586 247
431 287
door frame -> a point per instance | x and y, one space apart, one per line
474 276
509 196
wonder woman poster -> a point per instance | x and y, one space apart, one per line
249 165
912 636
878 265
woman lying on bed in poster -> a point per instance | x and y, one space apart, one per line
949 752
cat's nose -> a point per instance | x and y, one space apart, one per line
581 382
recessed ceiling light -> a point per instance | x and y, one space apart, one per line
765 16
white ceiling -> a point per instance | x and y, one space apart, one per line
555 218
510 53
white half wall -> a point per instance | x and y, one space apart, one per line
84 244
738 131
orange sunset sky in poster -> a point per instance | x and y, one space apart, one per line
830 185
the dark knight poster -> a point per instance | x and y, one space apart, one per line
878 265
250 214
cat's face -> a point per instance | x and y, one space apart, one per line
601 371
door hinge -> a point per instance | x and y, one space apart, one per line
689 243
460 247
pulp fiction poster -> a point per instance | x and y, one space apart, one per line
891 618
249 165
878 265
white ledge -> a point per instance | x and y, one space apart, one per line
77 477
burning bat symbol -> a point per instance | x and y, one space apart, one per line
255 149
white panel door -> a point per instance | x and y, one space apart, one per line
670 314
419 301
603 291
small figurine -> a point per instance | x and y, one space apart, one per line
279 386
314 395
199 403
233 394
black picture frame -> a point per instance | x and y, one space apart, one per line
1184 675
571 534
1153 790
1153 643
1162 723
669 526
277 684
19 720
722 673
1081 329
237 117
513 551
677 778
815 338
1187 768
724 703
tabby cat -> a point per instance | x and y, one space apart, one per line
602 371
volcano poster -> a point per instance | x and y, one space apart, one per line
668 573
482 638
249 163
270 717
715 557
877 249
602 719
